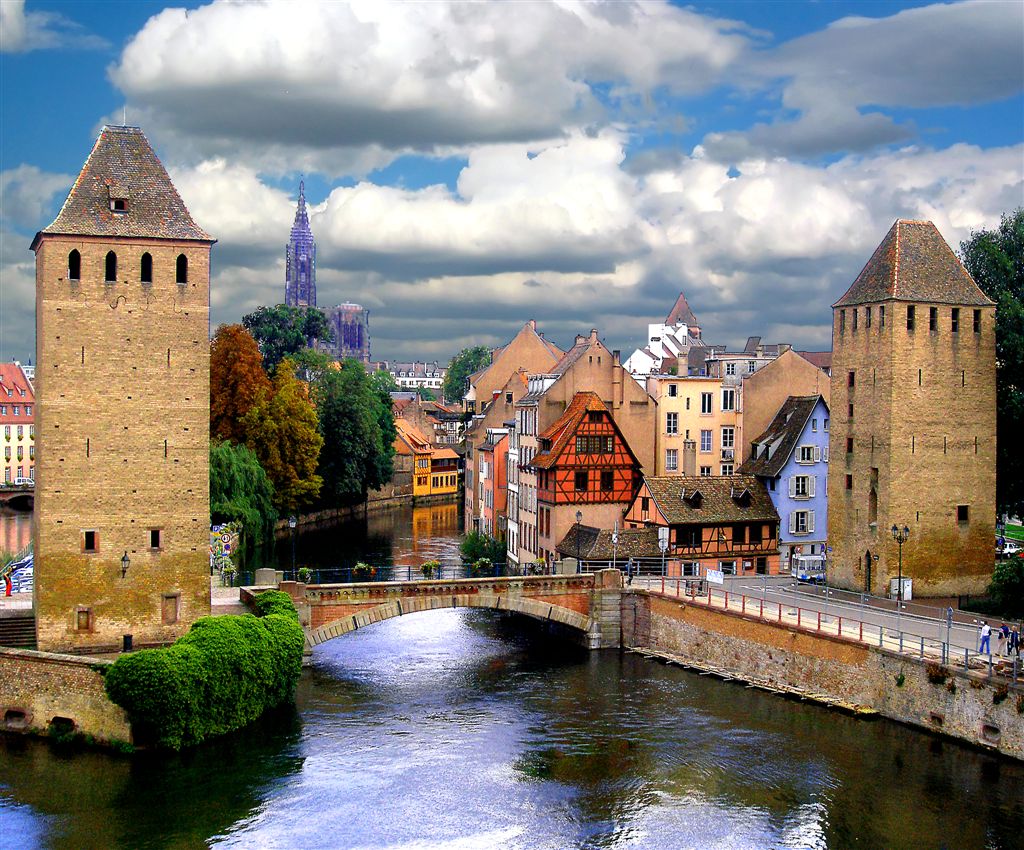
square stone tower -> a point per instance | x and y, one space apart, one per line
913 426
123 394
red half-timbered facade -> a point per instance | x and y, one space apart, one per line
725 523
584 465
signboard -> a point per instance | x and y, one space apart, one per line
716 577
663 538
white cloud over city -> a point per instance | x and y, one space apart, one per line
564 209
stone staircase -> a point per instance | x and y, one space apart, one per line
17 629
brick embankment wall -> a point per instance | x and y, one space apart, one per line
790 659
36 687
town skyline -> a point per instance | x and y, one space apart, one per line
462 179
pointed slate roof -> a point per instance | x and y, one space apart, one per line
776 444
124 166
681 314
914 263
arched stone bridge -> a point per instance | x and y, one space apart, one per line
587 604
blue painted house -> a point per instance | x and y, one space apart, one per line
791 458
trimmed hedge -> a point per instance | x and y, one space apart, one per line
219 677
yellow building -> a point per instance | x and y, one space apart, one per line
698 430
411 442
444 472
17 419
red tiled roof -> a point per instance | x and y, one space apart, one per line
681 313
13 379
821 359
914 263
563 430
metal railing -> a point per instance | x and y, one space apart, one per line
881 635
397 572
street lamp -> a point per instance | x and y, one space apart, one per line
292 522
579 519
900 535
125 563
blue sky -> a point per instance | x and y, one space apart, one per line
472 166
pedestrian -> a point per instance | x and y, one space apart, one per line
7 584
629 571
1015 641
986 632
1002 638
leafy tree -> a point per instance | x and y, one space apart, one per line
426 394
460 367
282 331
385 381
240 491
358 432
1007 588
236 380
281 428
995 259
477 546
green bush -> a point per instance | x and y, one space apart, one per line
219 677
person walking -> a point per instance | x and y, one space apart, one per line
1004 638
986 633
1014 646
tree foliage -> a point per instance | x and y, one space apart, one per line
241 492
358 431
281 331
477 546
219 677
1006 591
281 428
995 259
460 367
236 380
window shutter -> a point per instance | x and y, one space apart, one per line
824 454
817 453
792 520
792 486
810 484
810 521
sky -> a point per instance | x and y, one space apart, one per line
470 166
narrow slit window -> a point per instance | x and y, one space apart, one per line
954 320
910 317
155 538
181 269
75 266
977 321
146 268
110 267
90 541
933 318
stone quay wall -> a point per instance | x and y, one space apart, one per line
39 688
796 660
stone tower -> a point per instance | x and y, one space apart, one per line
300 259
913 430
123 389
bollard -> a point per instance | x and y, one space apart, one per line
922 647
966 658
901 642
819 621
743 604
761 615
861 638
798 617
840 632
879 636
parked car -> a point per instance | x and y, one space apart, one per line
1010 548
24 482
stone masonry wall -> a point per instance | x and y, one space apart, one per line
792 659
36 687
123 443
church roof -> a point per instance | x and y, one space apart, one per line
914 263
301 233
681 314
124 167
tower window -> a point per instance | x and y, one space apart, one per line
849 482
910 317
851 378
881 316
849 445
867 317
155 538
855 318
181 269
90 541
842 321
110 267
963 513
955 320
933 318
146 268
75 267
977 321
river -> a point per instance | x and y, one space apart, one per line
471 730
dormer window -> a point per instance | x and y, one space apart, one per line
119 205
741 497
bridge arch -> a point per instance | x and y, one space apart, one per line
538 609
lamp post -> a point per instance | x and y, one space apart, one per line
579 519
900 535
125 563
292 522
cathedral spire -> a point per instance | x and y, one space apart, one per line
300 258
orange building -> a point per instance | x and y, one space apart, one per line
409 441
725 523
583 466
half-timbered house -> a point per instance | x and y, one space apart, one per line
725 523
586 472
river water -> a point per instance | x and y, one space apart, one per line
470 730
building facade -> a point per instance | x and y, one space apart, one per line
721 523
493 482
913 431
415 375
790 458
300 259
122 506
17 420
350 324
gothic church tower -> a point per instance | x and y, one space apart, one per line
300 259
913 429
122 504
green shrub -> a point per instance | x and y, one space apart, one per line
219 677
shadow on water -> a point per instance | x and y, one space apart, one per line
90 798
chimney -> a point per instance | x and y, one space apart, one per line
533 324
616 357
580 339
593 334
